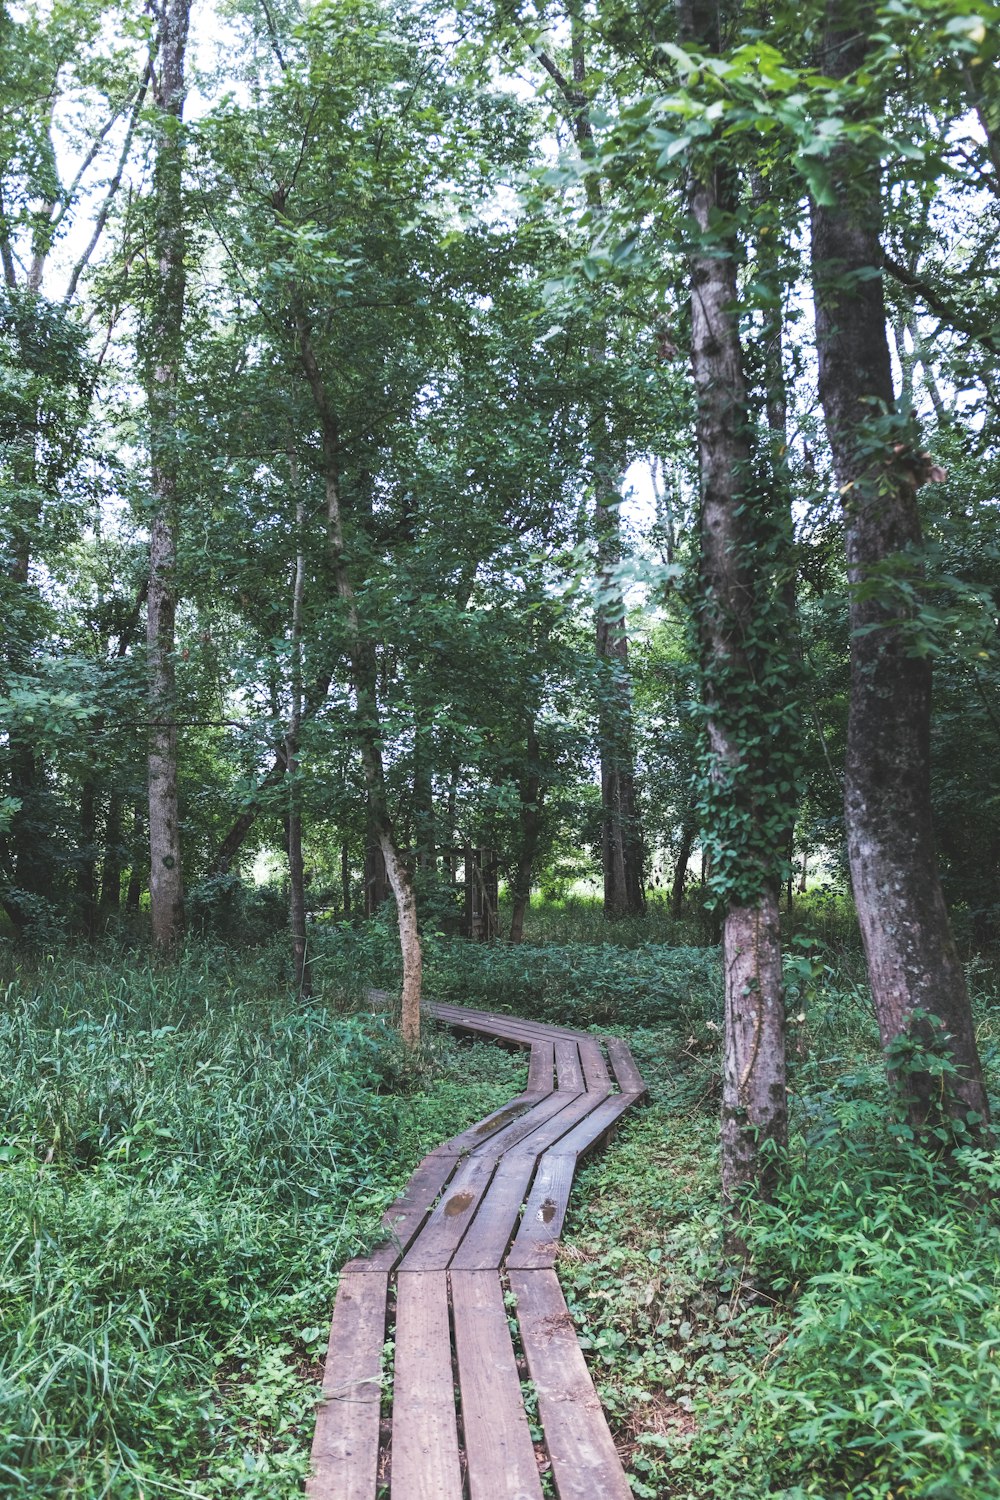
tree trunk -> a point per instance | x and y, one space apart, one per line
740 806
622 855
296 863
367 720
133 894
111 867
917 982
345 879
531 797
681 867
166 886
86 870
423 801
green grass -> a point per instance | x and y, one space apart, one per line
187 1158
866 1362
188 1154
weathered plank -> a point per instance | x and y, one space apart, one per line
425 1463
595 1069
469 1139
538 1235
485 1244
596 1126
345 1445
568 1069
551 1108
630 1080
445 1229
540 1075
403 1219
585 1462
498 1447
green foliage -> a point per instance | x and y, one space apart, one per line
187 1156
888 1379
859 1359
602 985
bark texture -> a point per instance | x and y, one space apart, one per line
754 1108
917 982
166 884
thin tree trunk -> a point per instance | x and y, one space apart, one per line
86 875
688 830
111 866
917 981
423 801
369 730
133 894
531 797
296 863
754 1109
166 885
345 878
622 854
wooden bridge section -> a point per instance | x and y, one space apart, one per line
422 1392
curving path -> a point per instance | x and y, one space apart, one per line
422 1391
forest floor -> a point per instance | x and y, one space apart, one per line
188 1154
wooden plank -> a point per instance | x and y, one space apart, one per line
490 1124
595 1069
537 1238
630 1080
540 1072
404 1218
485 1245
576 1108
551 1107
585 1463
445 1229
513 1028
597 1125
498 1448
481 1020
568 1069
344 1464
425 1462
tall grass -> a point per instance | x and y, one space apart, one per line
187 1155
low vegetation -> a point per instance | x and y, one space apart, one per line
189 1155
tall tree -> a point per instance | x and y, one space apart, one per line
917 981
164 351
622 855
741 643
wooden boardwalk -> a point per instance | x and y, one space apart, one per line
422 1396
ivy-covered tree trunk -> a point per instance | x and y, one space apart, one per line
166 885
917 981
736 619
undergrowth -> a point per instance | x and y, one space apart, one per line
862 1364
188 1156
